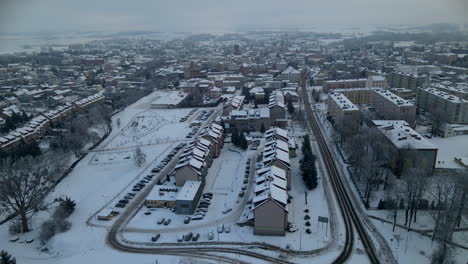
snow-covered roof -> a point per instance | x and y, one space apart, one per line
291 70
196 164
163 192
393 98
402 135
342 101
445 96
189 190
271 192
277 131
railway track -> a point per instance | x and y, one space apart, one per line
350 216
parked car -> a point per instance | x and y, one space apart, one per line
227 229
203 206
188 236
241 194
210 236
187 220
120 205
160 221
203 210
180 238
167 221
156 237
227 210
195 237
220 228
198 217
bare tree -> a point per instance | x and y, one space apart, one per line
24 185
413 186
140 157
101 115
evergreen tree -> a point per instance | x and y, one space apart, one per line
235 137
262 128
243 141
24 116
222 124
6 258
307 166
290 107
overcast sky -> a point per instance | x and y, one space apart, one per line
219 15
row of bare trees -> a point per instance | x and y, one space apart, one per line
442 197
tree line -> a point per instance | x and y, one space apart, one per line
307 165
238 139
14 121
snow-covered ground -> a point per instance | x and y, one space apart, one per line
224 180
449 148
96 181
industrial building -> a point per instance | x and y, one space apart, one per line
392 107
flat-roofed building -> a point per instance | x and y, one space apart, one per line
392 107
188 197
459 90
162 196
404 93
344 84
357 95
249 119
448 107
398 79
345 114
407 148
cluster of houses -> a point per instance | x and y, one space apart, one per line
269 214
37 126
190 172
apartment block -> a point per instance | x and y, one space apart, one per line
410 81
448 107
344 84
358 95
343 111
392 107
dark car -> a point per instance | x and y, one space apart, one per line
156 237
